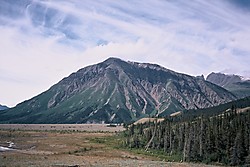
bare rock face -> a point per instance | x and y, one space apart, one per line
222 79
236 84
118 91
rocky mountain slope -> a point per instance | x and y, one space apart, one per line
233 83
117 91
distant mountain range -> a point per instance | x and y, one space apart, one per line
117 91
236 84
2 107
240 104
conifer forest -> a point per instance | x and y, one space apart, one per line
222 138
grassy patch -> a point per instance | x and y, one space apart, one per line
113 141
158 154
116 142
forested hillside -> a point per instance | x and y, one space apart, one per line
223 138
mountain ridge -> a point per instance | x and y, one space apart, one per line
236 84
3 107
117 91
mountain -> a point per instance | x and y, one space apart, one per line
117 91
233 83
2 107
239 104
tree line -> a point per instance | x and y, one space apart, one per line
223 138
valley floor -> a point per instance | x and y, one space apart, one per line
68 148
64 127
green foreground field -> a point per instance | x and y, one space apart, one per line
71 148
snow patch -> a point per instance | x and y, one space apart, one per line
9 148
112 117
128 105
111 95
145 105
93 112
11 144
5 149
108 100
245 78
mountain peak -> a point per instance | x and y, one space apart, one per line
146 65
113 60
117 91
236 84
222 79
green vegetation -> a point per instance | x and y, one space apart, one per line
222 138
241 89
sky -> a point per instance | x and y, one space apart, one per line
43 41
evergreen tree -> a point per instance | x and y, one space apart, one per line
223 138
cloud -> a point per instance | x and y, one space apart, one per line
43 41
